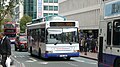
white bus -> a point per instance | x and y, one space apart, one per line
109 35
53 37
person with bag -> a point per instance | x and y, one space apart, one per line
5 49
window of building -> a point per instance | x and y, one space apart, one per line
50 1
45 7
31 1
34 15
50 7
50 13
55 8
45 14
55 1
55 14
45 1
17 1
31 8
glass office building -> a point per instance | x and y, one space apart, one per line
30 8
40 8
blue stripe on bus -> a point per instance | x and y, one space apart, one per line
47 55
108 60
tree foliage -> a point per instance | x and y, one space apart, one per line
6 9
25 19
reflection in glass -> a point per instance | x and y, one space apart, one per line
23 38
63 35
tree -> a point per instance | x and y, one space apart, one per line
6 9
25 19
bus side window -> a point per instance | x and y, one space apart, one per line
116 32
109 30
42 35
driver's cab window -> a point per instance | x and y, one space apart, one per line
116 32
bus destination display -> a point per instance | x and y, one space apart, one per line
62 23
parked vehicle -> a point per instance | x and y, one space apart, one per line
21 43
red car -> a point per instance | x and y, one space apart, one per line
21 43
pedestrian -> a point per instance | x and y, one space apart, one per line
82 44
5 48
93 45
85 44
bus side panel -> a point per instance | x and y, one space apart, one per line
43 49
106 62
75 54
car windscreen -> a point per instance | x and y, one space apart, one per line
23 38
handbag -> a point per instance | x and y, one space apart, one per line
8 61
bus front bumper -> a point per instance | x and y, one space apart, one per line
74 54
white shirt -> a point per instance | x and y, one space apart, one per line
2 39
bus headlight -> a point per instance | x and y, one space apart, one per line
76 50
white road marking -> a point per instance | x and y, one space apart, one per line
29 61
43 62
77 60
83 61
32 59
72 64
15 60
23 65
20 56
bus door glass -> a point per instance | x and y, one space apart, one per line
116 32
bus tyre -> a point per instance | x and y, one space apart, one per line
117 62
15 48
39 54
20 49
67 58
31 51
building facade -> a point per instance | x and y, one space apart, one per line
30 8
18 10
40 8
87 12
50 7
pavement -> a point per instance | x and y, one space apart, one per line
89 55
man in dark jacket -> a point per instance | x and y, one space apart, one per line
5 48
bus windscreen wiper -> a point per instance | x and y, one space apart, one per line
56 43
70 43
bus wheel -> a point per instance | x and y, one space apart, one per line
15 48
31 51
67 58
117 62
20 49
39 53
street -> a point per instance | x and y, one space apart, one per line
23 59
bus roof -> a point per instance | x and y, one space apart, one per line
49 18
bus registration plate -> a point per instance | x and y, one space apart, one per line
63 55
